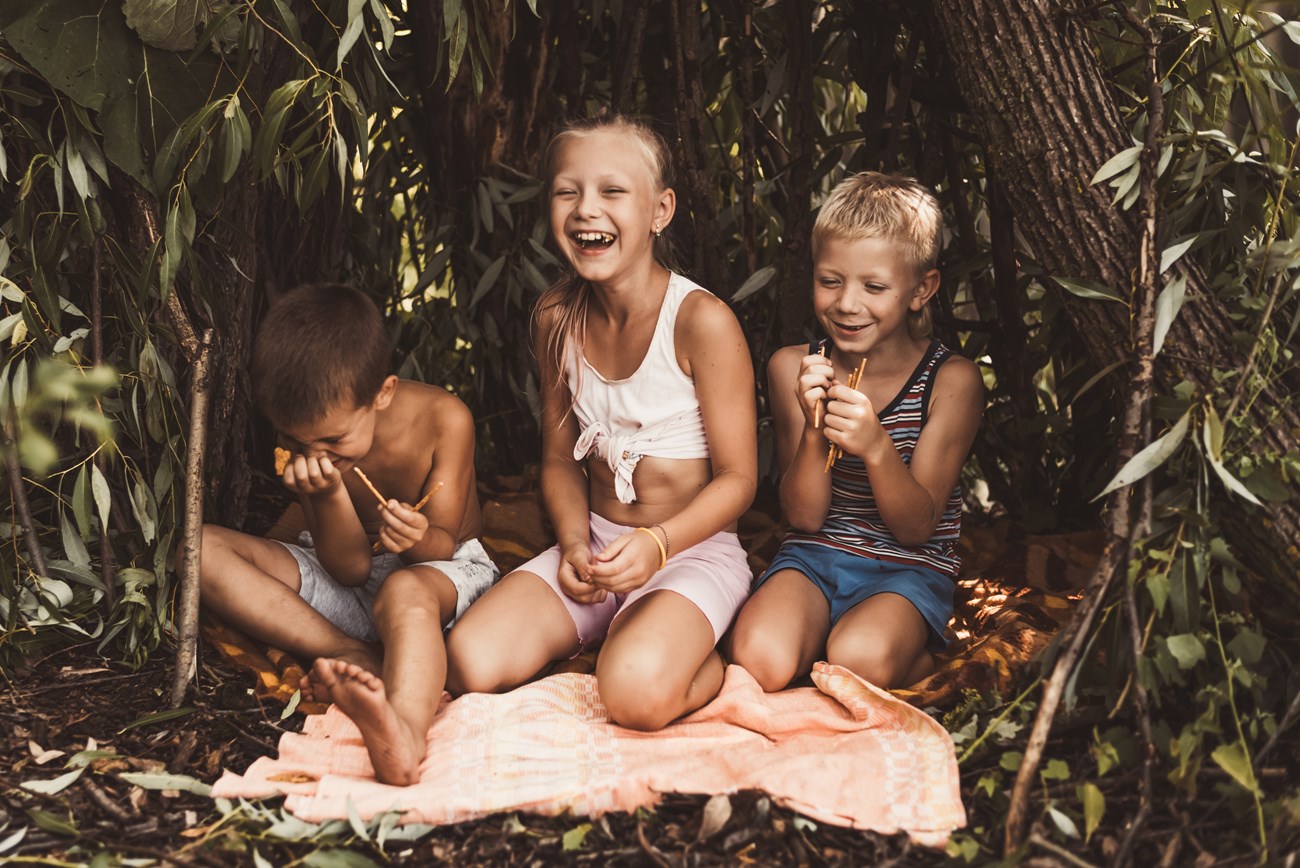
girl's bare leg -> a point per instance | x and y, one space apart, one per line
508 636
658 662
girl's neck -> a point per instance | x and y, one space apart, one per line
631 295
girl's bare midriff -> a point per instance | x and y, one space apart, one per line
664 486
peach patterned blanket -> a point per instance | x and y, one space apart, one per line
842 752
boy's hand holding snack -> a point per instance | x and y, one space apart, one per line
403 527
851 422
815 378
312 476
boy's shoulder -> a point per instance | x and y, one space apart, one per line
958 384
958 372
423 412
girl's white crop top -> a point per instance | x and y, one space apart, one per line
654 412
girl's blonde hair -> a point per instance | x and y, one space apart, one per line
567 298
899 209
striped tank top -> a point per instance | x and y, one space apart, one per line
853 523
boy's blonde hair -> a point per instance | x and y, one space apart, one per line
893 207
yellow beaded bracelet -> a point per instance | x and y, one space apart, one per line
663 552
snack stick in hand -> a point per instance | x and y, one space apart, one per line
833 454
370 485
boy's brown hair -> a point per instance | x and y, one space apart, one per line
321 346
893 207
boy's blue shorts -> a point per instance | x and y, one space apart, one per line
847 579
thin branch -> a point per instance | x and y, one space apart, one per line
1236 66
1278 282
745 87
1073 637
902 99
1060 852
1123 528
1287 719
1147 287
187 609
21 504
175 313
631 53
97 356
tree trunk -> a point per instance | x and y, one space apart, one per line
467 136
230 299
1029 75
796 264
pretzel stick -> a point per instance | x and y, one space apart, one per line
817 410
834 453
425 499
432 491
370 485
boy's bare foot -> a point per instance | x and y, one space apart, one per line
313 690
395 751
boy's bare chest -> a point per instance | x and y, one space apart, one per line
389 477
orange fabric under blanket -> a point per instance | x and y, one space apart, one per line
842 752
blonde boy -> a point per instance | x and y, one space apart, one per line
865 577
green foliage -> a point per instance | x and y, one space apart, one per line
398 146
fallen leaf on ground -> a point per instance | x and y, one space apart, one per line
292 778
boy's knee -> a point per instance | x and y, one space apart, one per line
771 667
868 657
405 594
212 545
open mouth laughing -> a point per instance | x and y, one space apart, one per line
593 240
849 328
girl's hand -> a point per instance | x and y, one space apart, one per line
815 378
626 564
312 476
851 422
403 527
574 566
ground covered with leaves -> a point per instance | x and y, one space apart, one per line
92 772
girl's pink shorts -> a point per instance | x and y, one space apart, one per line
713 575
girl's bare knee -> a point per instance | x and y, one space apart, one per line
472 663
641 707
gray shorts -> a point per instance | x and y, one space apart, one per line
470 569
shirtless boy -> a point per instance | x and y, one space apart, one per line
368 570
